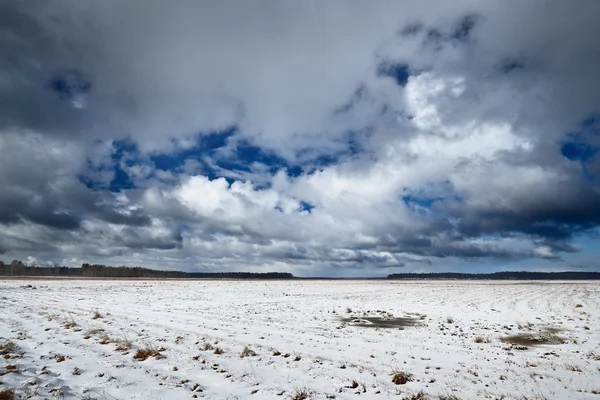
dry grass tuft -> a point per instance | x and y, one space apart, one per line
574 368
400 377
207 347
531 364
449 320
69 324
7 394
448 397
93 331
481 339
218 351
417 396
97 315
146 352
10 368
526 325
276 353
76 371
123 344
578 305
104 339
247 352
60 358
300 394
7 348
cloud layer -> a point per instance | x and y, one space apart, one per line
333 138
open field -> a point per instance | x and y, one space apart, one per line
283 339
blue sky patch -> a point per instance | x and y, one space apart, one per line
399 71
578 151
126 152
206 144
304 206
70 85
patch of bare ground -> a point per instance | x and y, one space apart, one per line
7 394
533 339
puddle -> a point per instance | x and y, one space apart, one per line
383 322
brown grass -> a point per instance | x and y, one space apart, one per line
97 315
218 351
93 331
207 347
7 394
69 324
122 344
104 339
417 396
276 353
11 368
578 305
531 364
481 339
247 352
400 377
300 394
449 320
526 325
7 348
574 368
76 371
147 352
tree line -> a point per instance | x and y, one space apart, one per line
18 268
506 275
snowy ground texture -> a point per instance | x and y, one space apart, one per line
78 339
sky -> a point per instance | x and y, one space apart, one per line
321 138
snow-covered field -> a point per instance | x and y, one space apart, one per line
320 338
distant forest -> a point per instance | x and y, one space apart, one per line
18 268
570 275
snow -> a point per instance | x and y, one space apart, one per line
321 324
